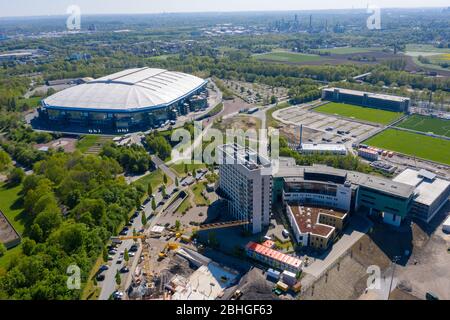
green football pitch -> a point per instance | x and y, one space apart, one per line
413 144
427 124
358 112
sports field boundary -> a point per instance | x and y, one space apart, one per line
376 124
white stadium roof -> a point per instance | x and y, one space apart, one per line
128 90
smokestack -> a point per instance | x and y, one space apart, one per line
300 136
310 21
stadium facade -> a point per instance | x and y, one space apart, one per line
367 99
132 99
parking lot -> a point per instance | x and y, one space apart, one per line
320 128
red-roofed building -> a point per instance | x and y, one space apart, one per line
273 258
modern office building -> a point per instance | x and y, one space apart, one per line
315 227
431 192
131 99
245 185
265 254
345 190
367 99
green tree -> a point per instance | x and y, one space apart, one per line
143 219
5 160
105 254
163 190
177 225
16 176
186 170
177 183
165 178
126 255
118 279
153 204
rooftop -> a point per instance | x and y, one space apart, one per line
427 190
392 187
323 147
274 254
307 219
131 90
236 154
370 94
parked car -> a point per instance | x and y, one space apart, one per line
124 270
103 268
119 261
117 295
133 248
131 254
100 277
112 252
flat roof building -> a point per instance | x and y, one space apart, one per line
367 99
322 148
245 185
273 258
431 193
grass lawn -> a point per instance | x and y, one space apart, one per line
357 112
197 190
155 178
427 124
32 102
12 206
270 121
90 290
185 205
413 144
284 56
425 48
86 142
179 168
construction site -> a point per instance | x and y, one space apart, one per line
171 266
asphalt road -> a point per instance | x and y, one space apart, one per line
108 286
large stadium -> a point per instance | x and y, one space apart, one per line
133 99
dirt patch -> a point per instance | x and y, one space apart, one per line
67 144
8 235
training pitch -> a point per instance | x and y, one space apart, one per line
427 124
360 113
413 144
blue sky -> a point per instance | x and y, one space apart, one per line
58 7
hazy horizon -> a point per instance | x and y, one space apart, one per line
30 8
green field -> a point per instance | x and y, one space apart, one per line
427 124
155 177
282 56
357 112
86 142
349 50
11 205
413 144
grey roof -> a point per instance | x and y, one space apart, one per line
427 190
130 90
369 94
356 178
